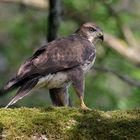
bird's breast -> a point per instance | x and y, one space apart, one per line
56 80
89 63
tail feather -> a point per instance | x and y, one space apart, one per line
23 91
18 81
13 83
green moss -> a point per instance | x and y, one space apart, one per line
69 123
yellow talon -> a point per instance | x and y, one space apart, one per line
83 106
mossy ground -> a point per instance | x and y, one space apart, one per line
68 124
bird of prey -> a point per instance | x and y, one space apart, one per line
59 63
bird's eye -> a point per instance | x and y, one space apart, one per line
92 29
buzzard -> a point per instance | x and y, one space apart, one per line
59 63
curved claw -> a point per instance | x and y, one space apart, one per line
83 106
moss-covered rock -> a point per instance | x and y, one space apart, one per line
68 124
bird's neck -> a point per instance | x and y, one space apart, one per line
85 36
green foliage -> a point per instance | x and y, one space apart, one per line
26 29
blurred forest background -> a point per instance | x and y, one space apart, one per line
113 83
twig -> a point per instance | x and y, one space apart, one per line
131 53
43 4
125 78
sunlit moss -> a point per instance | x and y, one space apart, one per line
68 123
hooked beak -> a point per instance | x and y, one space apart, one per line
101 37
100 34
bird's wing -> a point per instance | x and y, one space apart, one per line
58 55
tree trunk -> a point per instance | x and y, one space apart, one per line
53 19
59 97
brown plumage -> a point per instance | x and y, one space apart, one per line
58 63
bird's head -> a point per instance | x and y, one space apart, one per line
91 31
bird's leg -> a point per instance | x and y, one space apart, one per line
80 93
77 78
60 96
82 104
